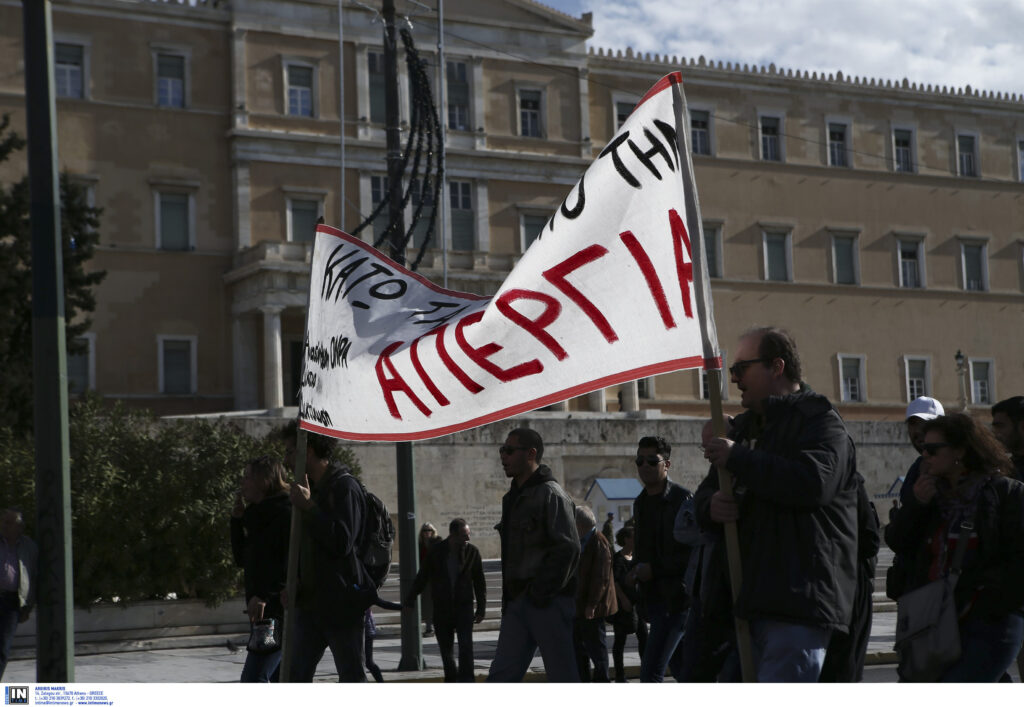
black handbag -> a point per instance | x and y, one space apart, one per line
927 626
264 636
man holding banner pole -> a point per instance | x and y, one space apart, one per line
795 505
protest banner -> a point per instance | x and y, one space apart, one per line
613 289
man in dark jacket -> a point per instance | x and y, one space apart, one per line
455 573
661 561
334 589
1008 427
795 505
540 549
595 598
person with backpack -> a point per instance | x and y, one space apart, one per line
454 573
334 585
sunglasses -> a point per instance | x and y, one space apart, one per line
650 460
932 448
506 450
738 368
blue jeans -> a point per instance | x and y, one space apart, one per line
989 649
261 667
788 652
662 642
524 629
314 633
9 611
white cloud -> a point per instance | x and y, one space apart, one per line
939 42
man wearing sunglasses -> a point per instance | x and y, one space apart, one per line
661 561
795 504
540 549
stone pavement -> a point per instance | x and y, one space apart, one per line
215 662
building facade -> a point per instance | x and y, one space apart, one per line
882 224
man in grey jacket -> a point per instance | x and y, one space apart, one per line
540 548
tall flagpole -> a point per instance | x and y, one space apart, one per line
709 338
442 77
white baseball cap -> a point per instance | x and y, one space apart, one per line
926 408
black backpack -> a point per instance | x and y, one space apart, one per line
377 538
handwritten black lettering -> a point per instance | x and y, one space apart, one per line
379 291
327 288
620 166
656 149
309 380
321 417
317 353
340 346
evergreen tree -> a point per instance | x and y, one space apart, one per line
79 224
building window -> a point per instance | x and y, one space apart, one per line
910 261
645 388
974 266
300 80
623 109
903 150
700 131
458 95
705 392
777 256
771 147
463 217
531 226
529 113
69 70
1020 159
174 221
378 112
422 199
378 193
170 80
845 265
81 366
713 248
982 388
177 364
918 376
967 154
302 217
837 145
851 379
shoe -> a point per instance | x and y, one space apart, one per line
428 633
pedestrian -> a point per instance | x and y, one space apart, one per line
920 411
794 502
334 588
1008 427
595 598
608 529
660 560
260 526
964 488
540 549
18 564
625 621
369 634
427 539
454 573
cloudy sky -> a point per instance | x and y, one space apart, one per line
945 42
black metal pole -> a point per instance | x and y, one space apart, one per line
55 654
408 547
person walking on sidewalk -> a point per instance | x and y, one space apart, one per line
454 573
540 549
595 598
427 539
18 560
260 526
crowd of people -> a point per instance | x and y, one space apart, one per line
797 610
808 538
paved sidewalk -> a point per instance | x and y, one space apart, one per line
217 663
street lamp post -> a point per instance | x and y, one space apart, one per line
961 370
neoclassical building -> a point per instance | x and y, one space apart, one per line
882 223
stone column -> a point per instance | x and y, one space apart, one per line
561 407
273 379
630 397
243 358
596 401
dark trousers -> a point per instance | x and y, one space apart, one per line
445 629
619 646
589 637
368 656
9 611
314 633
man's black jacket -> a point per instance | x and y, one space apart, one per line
796 488
655 518
469 581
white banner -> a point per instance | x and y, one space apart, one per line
614 289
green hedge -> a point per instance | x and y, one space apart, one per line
150 501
